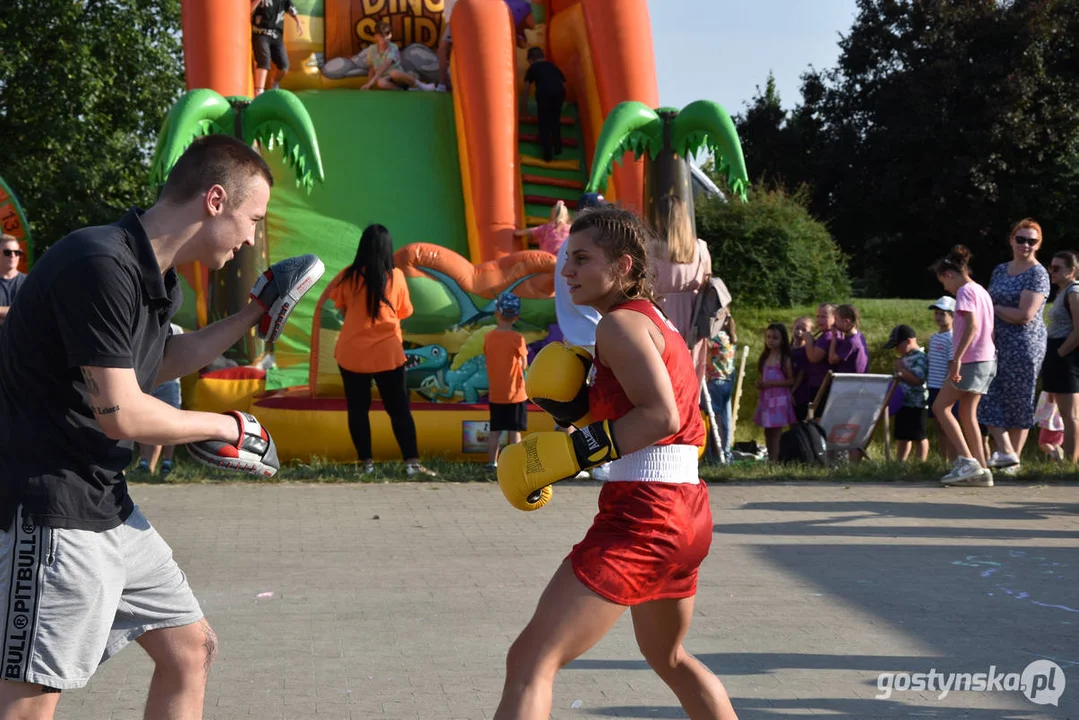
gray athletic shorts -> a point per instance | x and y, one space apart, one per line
71 599
976 377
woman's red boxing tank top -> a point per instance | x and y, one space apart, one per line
654 525
608 401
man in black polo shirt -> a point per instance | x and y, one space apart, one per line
82 572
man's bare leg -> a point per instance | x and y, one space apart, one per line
26 701
182 658
260 80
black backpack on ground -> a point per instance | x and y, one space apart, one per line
804 443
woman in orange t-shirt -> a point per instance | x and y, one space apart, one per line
370 347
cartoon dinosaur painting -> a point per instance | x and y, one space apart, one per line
467 374
424 362
469 380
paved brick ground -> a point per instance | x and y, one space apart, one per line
399 601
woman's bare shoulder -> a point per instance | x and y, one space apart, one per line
621 322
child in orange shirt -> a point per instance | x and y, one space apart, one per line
507 355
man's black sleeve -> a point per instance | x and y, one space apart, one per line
95 304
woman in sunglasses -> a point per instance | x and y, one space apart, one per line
1019 289
10 277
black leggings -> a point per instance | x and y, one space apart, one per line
394 391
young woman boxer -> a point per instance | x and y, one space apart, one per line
654 526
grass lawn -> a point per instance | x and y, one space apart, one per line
1034 470
878 318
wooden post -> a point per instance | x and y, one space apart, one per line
887 433
738 391
711 418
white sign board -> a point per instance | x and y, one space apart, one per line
855 404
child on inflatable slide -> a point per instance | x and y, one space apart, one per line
550 95
268 39
654 526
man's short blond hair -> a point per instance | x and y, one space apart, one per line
4 238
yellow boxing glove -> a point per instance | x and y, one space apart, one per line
557 381
527 469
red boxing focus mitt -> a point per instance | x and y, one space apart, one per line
280 289
254 452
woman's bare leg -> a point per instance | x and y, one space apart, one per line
569 620
1018 437
771 441
402 78
949 426
660 627
1002 440
968 416
1068 405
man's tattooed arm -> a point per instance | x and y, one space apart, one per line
91 384
93 389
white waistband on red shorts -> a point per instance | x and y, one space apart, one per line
657 463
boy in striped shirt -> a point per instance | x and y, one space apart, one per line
940 353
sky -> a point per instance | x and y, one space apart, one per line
722 50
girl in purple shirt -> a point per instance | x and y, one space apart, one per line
848 352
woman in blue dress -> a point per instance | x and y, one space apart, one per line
1019 289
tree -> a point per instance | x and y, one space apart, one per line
771 252
942 123
765 135
83 89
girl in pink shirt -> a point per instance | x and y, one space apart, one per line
970 372
549 236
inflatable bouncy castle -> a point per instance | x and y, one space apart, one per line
452 175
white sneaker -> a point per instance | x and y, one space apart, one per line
602 472
1003 460
426 87
440 88
413 469
985 479
368 467
964 468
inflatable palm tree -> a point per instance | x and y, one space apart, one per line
666 137
275 118
13 222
